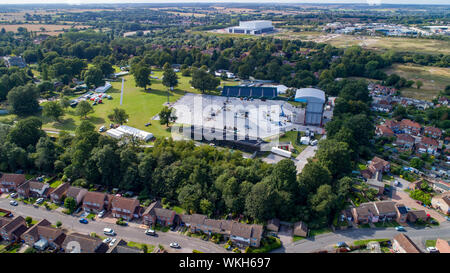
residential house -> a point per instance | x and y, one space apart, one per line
403 244
442 245
386 210
393 125
80 243
414 215
273 224
9 182
33 189
58 193
382 130
428 145
375 184
165 217
365 213
196 222
126 208
410 127
12 229
95 202
405 141
42 234
376 168
149 216
402 213
76 193
120 246
246 235
443 101
432 132
300 229
441 186
441 202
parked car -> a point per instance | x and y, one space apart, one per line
102 129
400 228
101 213
107 240
113 241
13 203
150 232
83 221
341 244
174 245
39 200
13 195
172 228
78 210
109 231
148 124
432 249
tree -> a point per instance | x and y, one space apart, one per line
70 204
23 100
206 207
204 81
28 220
167 116
335 156
64 102
26 132
259 202
84 108
53 109
45 155
142 75
417 163
94 77
419 84
170 78
58 224
118 116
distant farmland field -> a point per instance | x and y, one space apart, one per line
42 28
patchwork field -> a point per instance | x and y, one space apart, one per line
434 79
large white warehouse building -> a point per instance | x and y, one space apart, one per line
315 99
252 27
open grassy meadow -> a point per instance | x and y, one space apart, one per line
434 79
140 105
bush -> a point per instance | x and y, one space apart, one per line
30 250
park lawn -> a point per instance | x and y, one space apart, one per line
434 79
140 105
291 136
365 242
150 248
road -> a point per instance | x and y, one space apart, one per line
127 233
326 241
302 158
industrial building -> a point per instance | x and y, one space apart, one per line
252 27
315 100
250 92
14 61
103 89
124 130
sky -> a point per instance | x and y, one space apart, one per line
75 2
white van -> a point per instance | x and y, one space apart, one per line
109 231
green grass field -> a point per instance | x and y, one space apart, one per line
140 105
434 79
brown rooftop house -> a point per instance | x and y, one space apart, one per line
386 210
414 215
58 193
365 213
273 224
9 182
42 234
196 223
33 189
80 243
121 247
76 193
300 229
403 244
442 246
126 208
246 235
95 201
149 213
379 164
12 229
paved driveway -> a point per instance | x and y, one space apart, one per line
402 197
302 158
